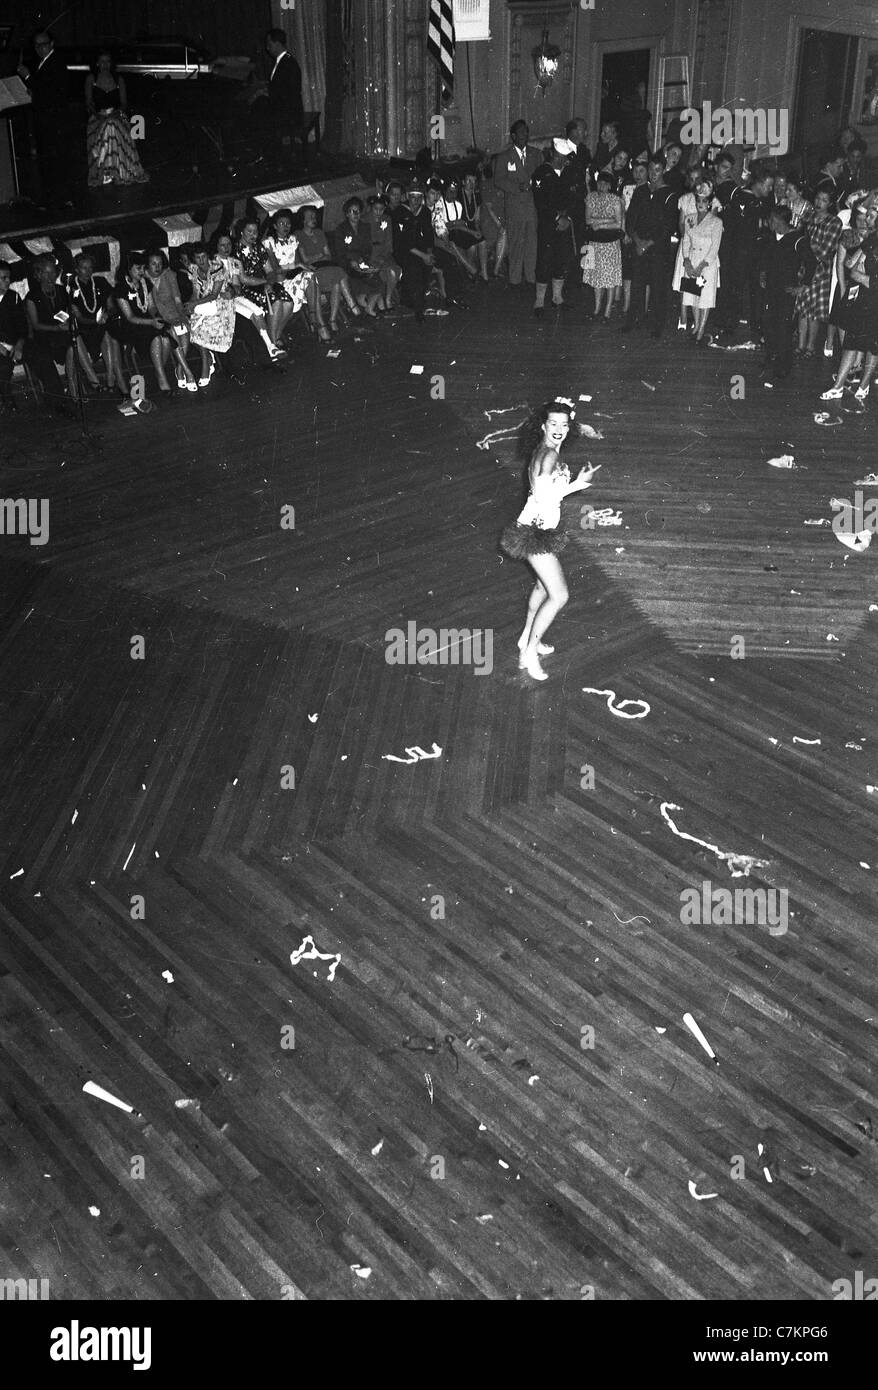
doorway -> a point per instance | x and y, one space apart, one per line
824 92
625 96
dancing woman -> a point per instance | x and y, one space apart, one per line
536 535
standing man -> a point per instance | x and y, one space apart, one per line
47 83
651 223
787 260
576 176
744 223
514 168
413 248
284 93
555 245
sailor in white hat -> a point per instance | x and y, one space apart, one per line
555 243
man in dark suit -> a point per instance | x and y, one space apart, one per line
651 224
785 263
555 244
514 168
47 83
286 110
413 248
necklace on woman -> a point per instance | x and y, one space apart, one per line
89 308
142 303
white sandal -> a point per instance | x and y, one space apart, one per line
834 393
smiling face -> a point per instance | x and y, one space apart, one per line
136 271
202 260
155 266
283 225
556 428
249 233
224 246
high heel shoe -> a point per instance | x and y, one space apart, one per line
324 334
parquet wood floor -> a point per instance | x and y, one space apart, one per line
441 1120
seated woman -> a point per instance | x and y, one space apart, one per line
491 215
471 202
292 281
603 268
243 300
258 292
448 255
382 251
169 307
13 337
49 342
112 156
212 307
352 249
92 306
316 254
465 238
139 325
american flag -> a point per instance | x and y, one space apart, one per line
440 43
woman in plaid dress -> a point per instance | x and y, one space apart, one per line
812 301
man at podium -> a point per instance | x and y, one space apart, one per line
47 84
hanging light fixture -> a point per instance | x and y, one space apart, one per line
546 58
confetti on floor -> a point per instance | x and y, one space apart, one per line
308 951
619 708
92 1089
739 864
700 1196
699 1037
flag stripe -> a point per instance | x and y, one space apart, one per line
441 41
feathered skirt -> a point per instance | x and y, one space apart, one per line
520 542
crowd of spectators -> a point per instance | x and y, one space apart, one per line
755 260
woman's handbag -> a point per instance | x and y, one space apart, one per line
693 285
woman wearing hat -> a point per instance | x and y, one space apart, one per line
537 536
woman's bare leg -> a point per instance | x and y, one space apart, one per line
551 576
537 595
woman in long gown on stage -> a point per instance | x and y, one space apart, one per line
537 535
112 154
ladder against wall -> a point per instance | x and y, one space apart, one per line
673 90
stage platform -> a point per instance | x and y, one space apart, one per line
479 1084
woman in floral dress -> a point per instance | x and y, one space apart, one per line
293 283
812 301
602 263
257 277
